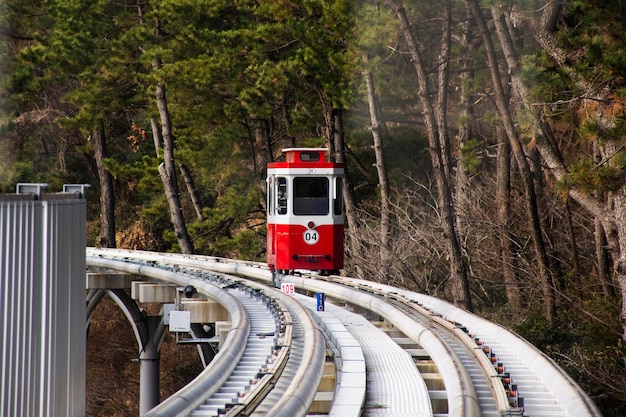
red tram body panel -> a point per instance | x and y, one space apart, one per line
305 220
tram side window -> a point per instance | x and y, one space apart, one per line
281 195
310 196
338 197
270 197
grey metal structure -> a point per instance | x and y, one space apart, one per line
42 302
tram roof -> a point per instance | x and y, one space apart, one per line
306 158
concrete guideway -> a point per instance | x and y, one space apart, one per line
554 393
214 375
461 396
394 385
257 359
545 387
307 363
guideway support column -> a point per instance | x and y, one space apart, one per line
149 361
149 332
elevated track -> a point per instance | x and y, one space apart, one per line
376 350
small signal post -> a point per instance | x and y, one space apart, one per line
321 298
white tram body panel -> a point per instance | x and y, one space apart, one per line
305 219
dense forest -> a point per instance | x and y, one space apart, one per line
485 142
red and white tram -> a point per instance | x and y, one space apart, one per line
305 221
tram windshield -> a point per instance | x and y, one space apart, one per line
310 196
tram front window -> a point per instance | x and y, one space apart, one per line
310 196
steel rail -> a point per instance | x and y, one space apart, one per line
299 395
260 390
469 353
262 356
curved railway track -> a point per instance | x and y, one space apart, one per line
387 351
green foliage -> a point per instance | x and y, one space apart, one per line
606 364
606 175
536 329
593 25
21 172
546 85
593 331
375 27
470 155
243 75
586 175
234 227
591 130
587 345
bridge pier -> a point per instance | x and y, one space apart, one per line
149 361
149 331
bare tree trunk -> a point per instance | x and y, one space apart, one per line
184 170
544 35
164 138
609 212
617 236
381 169
466 120
503 176
602 259
459 281
191 189
574 248
443 80
263 140
619 204
545 279
349 199
157 138
601 245
167 170
503 201
107 195
335 140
